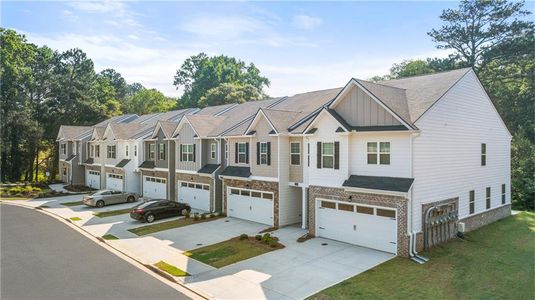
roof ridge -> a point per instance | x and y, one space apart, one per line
429 74
315 91
385 85
283 110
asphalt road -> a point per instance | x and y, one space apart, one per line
41 258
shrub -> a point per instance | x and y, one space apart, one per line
266 238
222 214
187 214
196 217
258 237
212 215
244 236
273 243
203 216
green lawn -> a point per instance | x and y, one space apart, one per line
231 251
494 262
75 203
109 237
103 214
162 265
148 229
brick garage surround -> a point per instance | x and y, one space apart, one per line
259 185
453 225
118 171
484 218
194 178
400 203
92 167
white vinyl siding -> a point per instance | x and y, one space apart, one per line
447 151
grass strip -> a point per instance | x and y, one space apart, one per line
162 265
103 214
109 237
75 203
231 251
148 229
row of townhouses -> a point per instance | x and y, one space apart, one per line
397 165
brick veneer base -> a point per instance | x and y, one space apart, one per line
400 203
487 217
266 186
194 178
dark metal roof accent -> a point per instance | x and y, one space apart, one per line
89 161
122 163
340 129
312 130
70 157
252 132
237 171
394 184
148 164
272 132
209 169
339 118
380 128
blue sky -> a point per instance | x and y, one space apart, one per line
299 46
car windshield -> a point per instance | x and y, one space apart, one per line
146 204
101 192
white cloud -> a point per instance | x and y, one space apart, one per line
69 15
306 22
119 14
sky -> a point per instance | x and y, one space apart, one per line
299 46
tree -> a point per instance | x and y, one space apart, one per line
147 101
117 82
227 93
478 26
200 73
416 67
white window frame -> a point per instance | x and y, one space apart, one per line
292 154
135 150
161 151
378 153
97 151
187 152
111 152
63 147
488 198
152 151
483 154
92 151
74 146
263 153
126 150
504 193
226 152
244 153
471 202
213 150
323 156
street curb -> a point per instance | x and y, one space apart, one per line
149 269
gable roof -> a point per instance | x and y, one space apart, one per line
72 132
215 110
279 120
205 125
167 128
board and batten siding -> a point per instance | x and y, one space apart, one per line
263 129
160 139
400 156
186 135
328 177
447 154
357 108
296 171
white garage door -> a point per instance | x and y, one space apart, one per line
256 206
195 194
92 179
368 226
154 187
114 182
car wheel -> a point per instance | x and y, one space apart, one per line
149 218
100 203
130 199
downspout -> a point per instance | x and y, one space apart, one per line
413 254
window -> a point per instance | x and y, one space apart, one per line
135 150
226 152
483 154
184 184
365 210
97 151
64 171
63 149
74 148
503 194
327 204
256 194
161 151
295 154
386 213
308 154
152 151
263 153
384 153
472 202
234 192
346 207
327 155
246 193
267 196
92 151
242 153
187 152
111 152
487 197
372 153
126 150
213 149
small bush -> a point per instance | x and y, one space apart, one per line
223 214
243 236
187 214
212 215
273 243
203 216
258 237
266 238
196 217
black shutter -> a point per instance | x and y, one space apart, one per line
337 155
269 153
193 152
246 153
319 155
236 152
257 153
180 146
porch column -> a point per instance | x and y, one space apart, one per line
304 211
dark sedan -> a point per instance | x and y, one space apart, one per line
158 209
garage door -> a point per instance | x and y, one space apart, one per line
154 187
195 194
92 179
368 226
256 206
114 182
